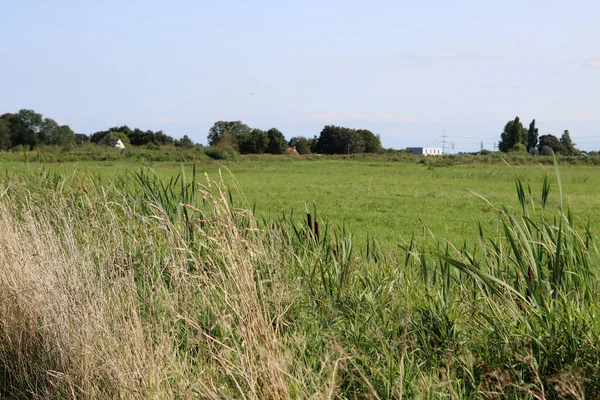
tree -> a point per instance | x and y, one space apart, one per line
532 136
4 134
65 137
111 139
546 151
48 131
301 144
313 144
372 142
568 147
25 127
185 142
340 140
136 136
277 142
513 133
327 141
257 142
236 129
551 142
81 138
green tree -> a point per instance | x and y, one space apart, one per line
256 142
277 142
7 116
568 147
312 143
372 142
355 142
185 142
513 134
4 134
25 127
532 136
551 142
236 129
48 131
111 138
340 140
301 144
65 137
546 151
327 141
226 141
81 138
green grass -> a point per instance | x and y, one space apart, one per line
391 201
152 285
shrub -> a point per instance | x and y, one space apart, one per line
546 151
220 153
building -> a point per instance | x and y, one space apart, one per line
120 145
426 151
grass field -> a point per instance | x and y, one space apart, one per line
391 201
118 282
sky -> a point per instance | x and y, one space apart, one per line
408 71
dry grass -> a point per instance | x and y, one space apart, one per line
83 316
118 289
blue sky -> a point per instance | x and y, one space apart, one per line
405 70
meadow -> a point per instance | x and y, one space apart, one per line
119 280
377 198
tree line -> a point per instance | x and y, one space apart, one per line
30 129
138 137
517 138
331 140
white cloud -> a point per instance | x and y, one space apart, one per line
333 116
593 61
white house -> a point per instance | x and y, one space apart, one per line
119 145
426 151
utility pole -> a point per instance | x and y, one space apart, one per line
444 142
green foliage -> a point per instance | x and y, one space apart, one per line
518 148
110 139
4 134
371 142
513 134
301 144
532 137
552 142
534 151
220 153
239 136
52 134
256 142
340 140
81 139
568 148
159 282
277 142
185 142
25 127
136 136
236 129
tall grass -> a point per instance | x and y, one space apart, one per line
141 288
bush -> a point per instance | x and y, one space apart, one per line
546 151
220 153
